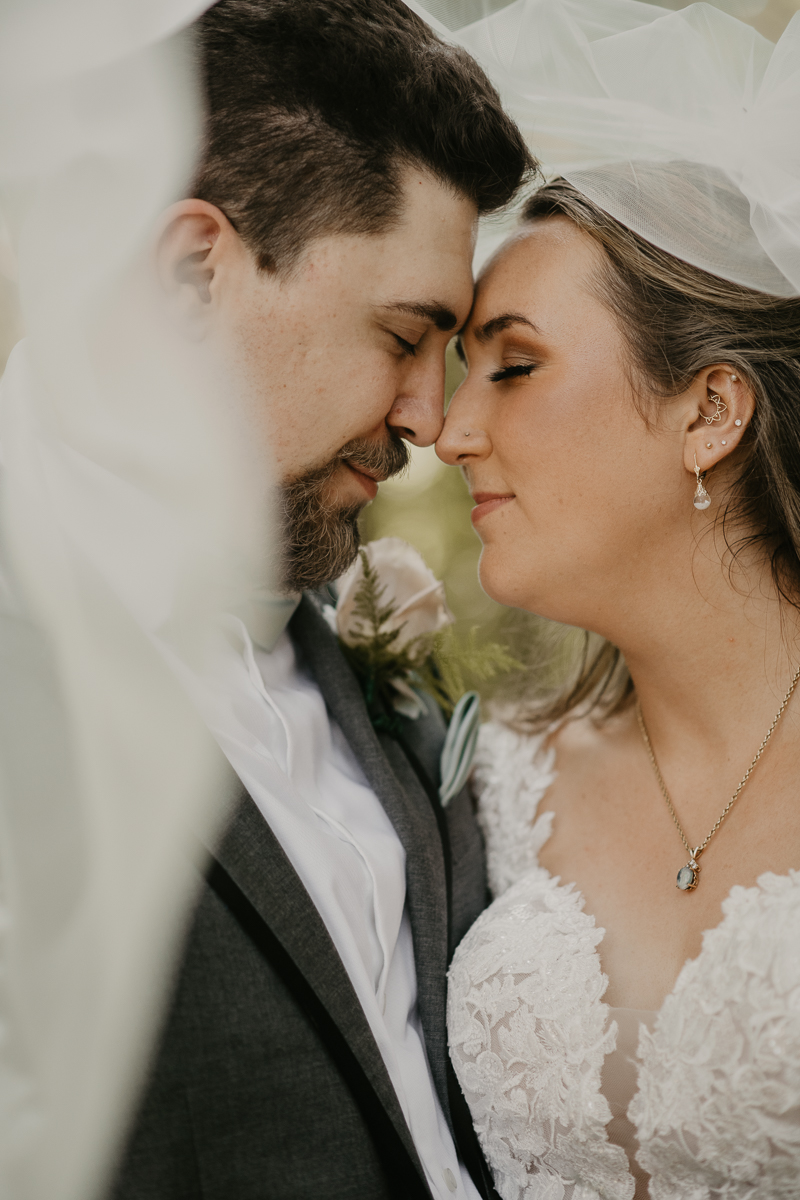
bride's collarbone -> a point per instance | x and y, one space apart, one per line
614 839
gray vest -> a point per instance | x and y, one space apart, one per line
267 1083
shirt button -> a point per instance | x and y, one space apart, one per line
449 1179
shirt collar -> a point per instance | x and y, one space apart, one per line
266 614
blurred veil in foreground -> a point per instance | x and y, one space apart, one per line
680 121
129 519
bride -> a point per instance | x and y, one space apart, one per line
624 1019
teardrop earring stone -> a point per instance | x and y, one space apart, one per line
701 497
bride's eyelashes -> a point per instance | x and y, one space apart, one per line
515 372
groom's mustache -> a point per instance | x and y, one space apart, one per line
381 460
322 539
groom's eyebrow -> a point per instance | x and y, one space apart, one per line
438 314
485 332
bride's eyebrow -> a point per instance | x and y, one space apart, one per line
490 329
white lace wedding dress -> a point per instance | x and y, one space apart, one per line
576 1101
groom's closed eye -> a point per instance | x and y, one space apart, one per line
434 314
409 348
425 316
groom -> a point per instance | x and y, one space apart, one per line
325 255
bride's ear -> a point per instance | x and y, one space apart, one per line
722 404
195 241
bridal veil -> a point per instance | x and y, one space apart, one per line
127 521
680 124
124 519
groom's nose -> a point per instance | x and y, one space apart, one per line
418 411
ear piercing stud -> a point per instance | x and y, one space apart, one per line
724 443
710 445
737 422
734 378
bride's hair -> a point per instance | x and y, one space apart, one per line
677 319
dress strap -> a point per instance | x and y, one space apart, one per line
512 773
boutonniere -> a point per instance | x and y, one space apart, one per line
397 632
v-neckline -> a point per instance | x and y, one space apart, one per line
512 782
546 747
576 893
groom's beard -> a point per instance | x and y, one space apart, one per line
321 539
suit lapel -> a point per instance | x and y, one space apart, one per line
256 862
395 783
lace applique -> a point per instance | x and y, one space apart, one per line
717 1110
718 1106
528 1036
528 1029
512 773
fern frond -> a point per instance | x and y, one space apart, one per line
443 664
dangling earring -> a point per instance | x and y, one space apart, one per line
701 496
721 407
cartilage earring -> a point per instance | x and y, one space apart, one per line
720 408
737 422
701 497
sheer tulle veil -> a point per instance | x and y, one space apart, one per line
680 124
129 513
127 522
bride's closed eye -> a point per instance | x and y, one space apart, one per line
515 372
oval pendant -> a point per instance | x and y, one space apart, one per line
688 876
701 497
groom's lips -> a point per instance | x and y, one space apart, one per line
369 480
487 502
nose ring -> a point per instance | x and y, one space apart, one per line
466 432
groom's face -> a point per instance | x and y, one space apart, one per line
340 361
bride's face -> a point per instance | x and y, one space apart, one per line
577 497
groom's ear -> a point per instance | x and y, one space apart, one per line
196 244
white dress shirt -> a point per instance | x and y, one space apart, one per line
272 724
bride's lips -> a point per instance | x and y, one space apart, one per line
487 502
368 480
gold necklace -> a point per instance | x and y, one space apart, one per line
689 876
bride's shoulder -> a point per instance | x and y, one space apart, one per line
513 770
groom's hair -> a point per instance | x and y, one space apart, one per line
314 106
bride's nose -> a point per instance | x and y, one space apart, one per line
463 437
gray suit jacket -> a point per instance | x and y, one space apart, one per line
268 1083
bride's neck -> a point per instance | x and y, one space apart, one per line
711 652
